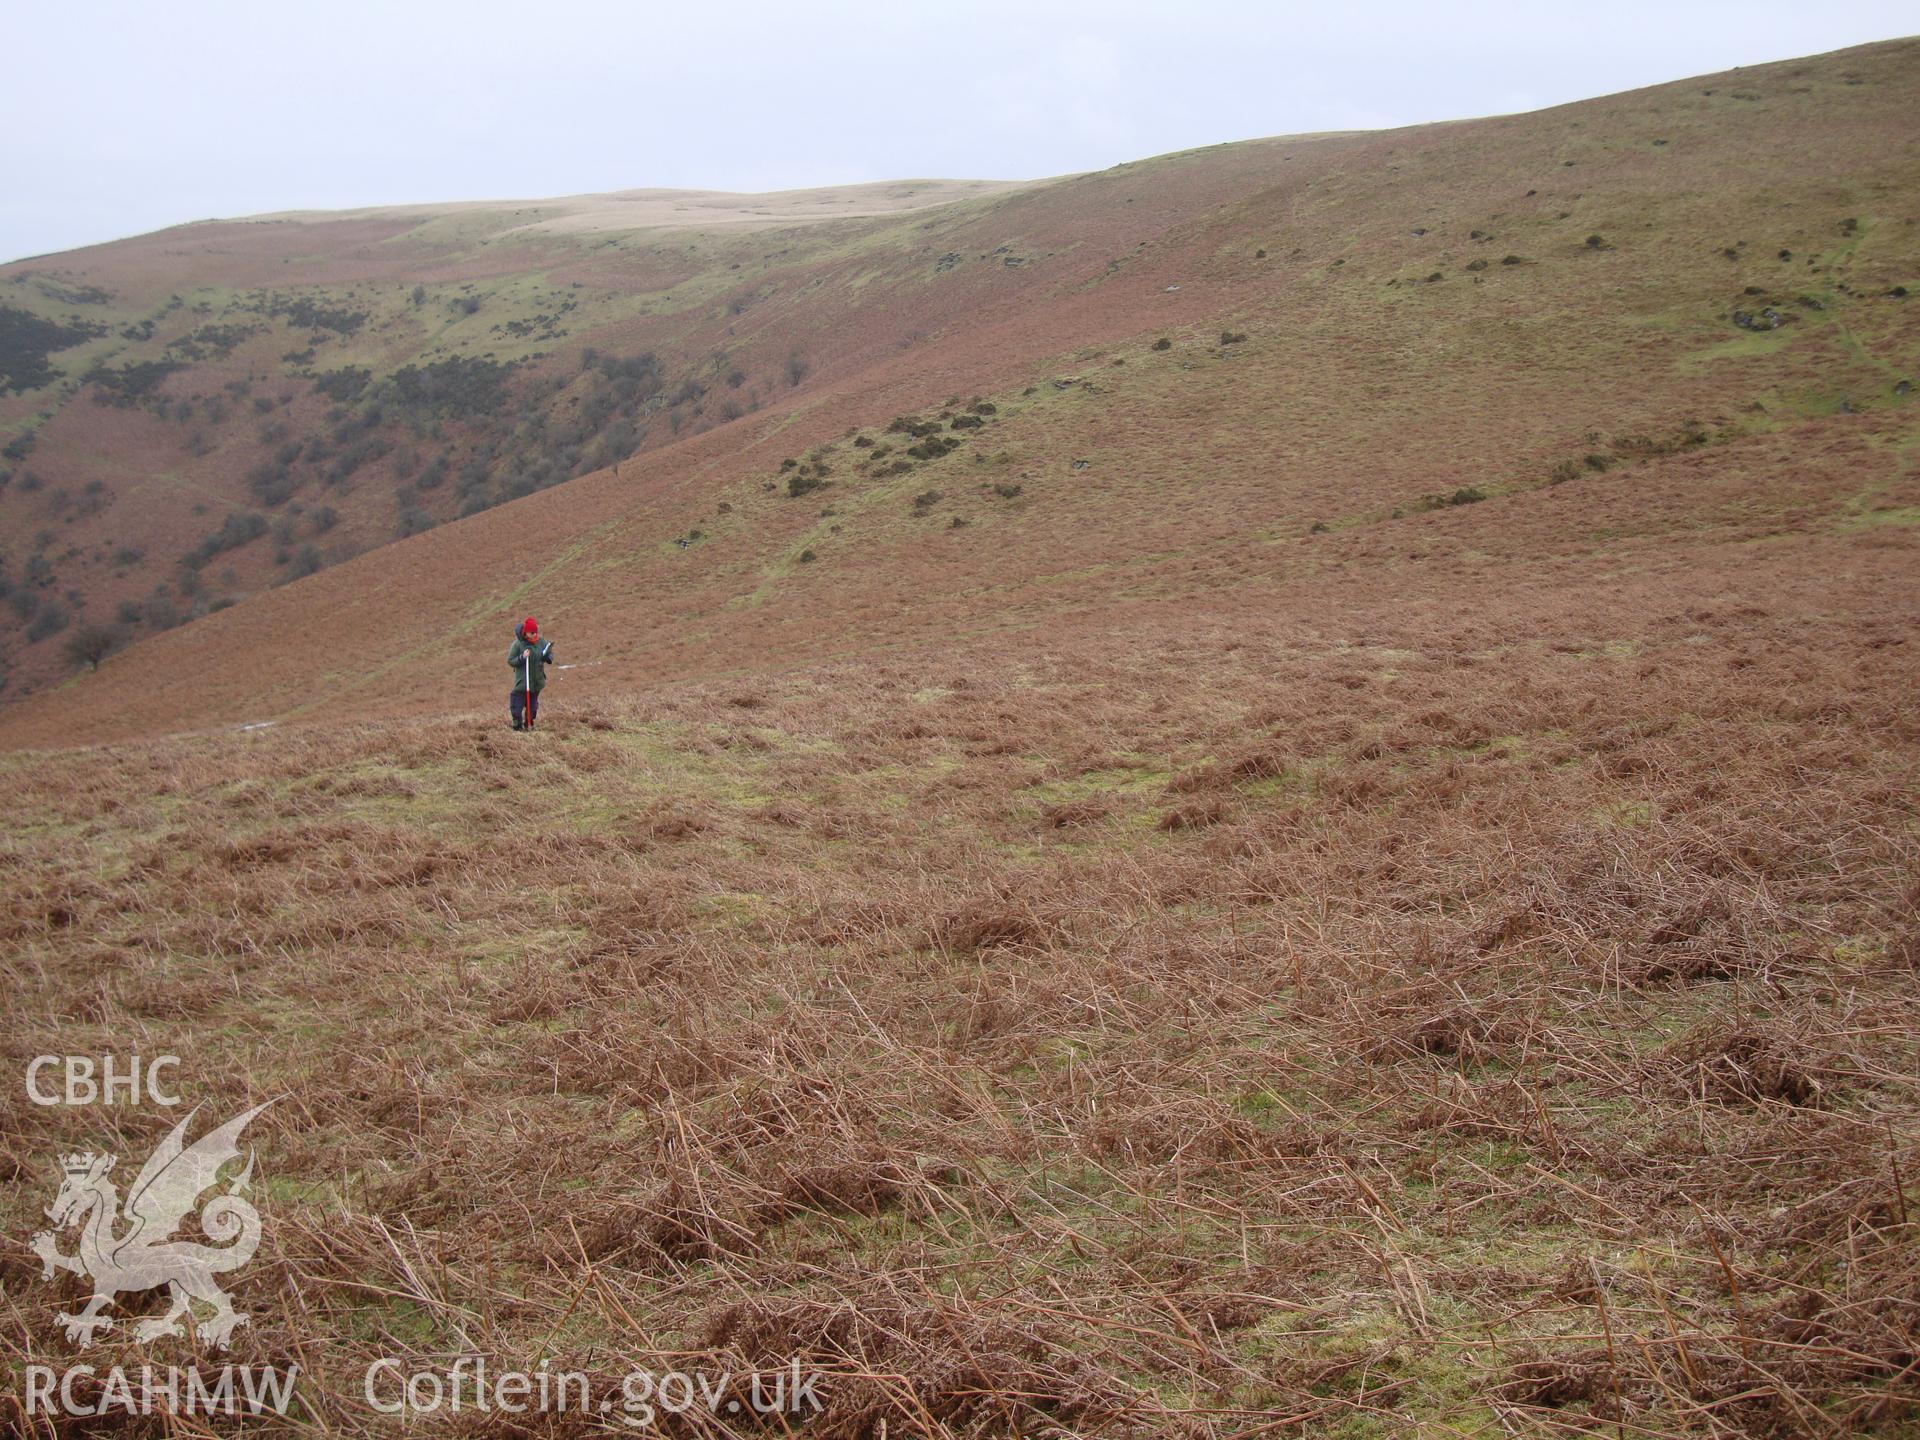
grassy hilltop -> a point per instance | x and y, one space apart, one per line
1269 792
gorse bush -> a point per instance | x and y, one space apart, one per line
344 385
933 447
311 314
132 384
27 342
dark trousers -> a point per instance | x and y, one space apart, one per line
527 700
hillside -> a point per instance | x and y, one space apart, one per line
1361 386
1293 816
199 414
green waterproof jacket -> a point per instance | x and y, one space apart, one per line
529 663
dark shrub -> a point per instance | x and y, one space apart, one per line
313 315
271 483
236 530
133 384
933 447
91 644
457 388
51 620
344 385
26 342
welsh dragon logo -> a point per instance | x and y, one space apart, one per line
131 1248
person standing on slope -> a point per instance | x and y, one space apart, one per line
528 658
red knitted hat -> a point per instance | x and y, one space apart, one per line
531 627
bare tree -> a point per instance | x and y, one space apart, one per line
91 644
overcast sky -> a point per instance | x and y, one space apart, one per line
125 117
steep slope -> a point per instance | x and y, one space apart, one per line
1249 366
199 414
